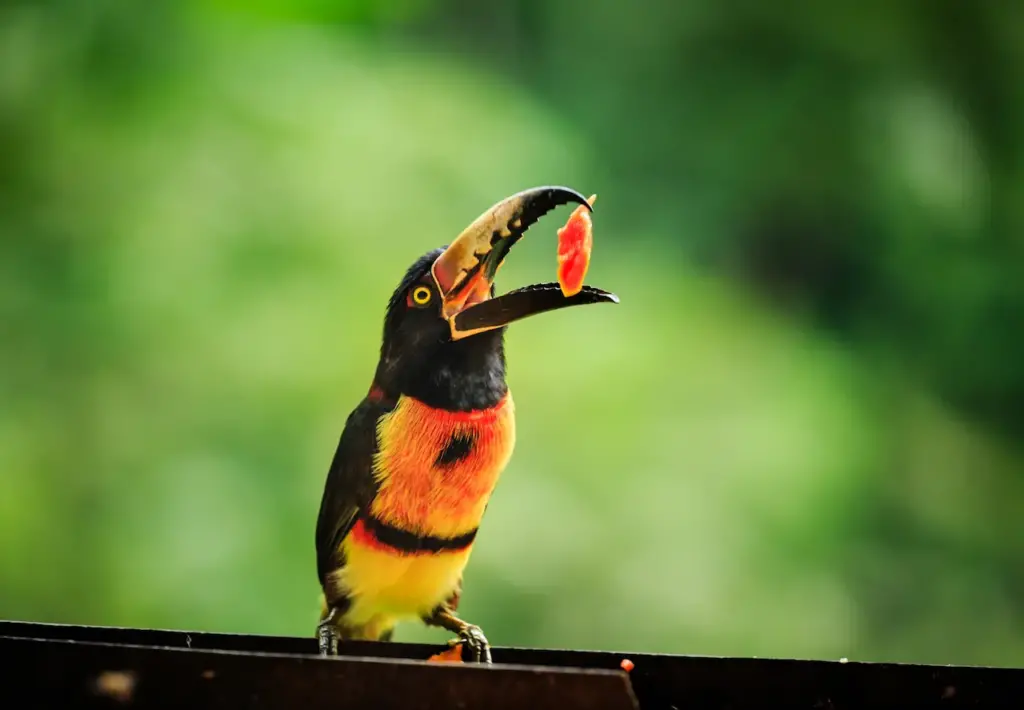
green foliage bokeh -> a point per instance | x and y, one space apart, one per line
797 435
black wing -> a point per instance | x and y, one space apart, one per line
350 485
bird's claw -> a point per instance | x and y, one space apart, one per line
327 638
476 642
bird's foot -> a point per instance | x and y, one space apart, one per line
327 637
469 634
476 643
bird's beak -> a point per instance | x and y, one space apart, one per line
465 271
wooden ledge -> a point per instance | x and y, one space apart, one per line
87 666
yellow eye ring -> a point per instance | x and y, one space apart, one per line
421 295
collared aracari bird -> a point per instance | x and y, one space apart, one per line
420 455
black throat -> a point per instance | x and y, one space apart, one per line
460 376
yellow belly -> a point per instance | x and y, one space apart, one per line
385 587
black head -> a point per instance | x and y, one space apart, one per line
419 357
444 328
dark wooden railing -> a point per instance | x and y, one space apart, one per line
47 665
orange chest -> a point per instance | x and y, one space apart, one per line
437 469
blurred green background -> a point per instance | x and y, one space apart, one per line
798 435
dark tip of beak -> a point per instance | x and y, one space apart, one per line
538 201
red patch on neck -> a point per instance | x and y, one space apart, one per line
475 416
375 394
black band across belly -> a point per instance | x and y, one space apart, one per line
410 542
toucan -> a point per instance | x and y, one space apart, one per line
420 455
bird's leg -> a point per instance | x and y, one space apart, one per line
327 634
473 637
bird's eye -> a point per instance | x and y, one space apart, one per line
421 295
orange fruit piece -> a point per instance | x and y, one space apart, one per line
453 654
575 240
